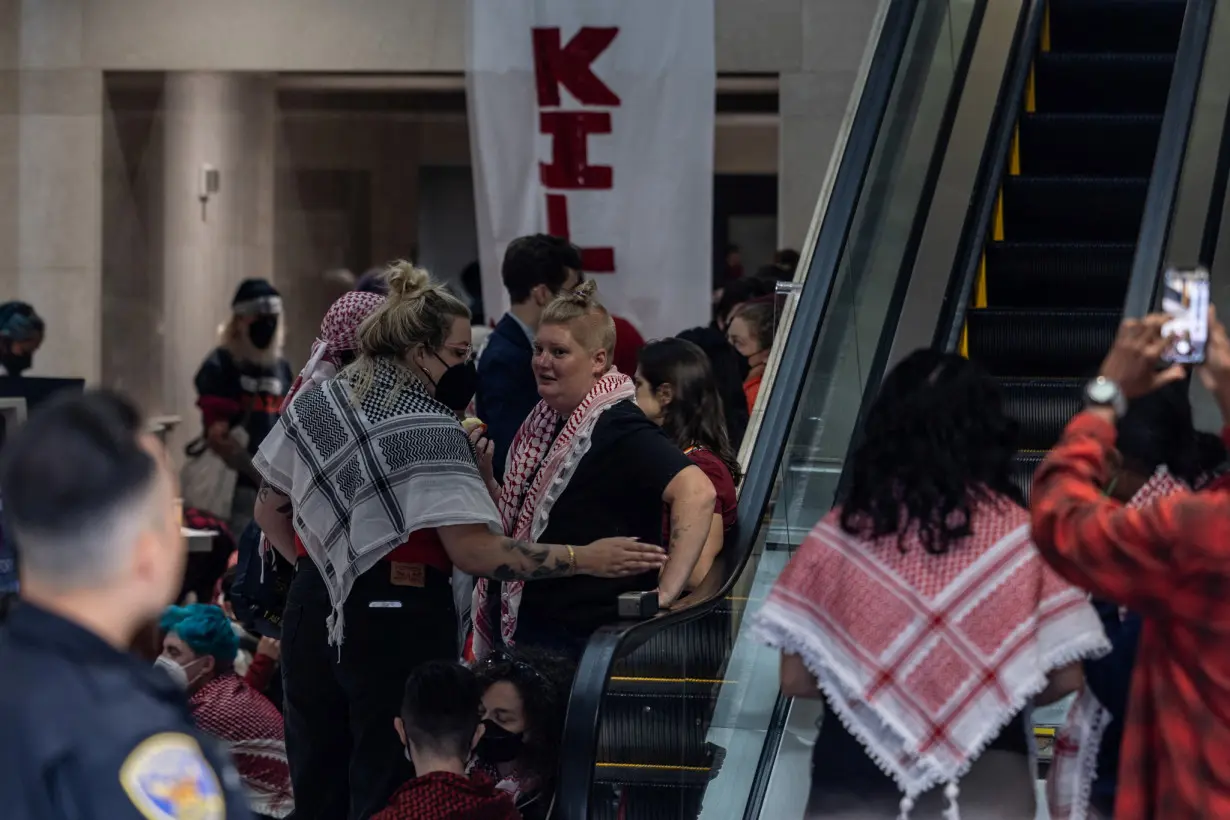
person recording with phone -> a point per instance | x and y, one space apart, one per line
1165 559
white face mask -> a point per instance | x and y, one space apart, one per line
175 671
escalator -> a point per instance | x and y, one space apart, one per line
1065 222
661 711
1054 268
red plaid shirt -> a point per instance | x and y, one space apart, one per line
1169 561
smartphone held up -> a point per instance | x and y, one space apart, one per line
1186 300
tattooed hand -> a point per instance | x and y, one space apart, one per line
619 558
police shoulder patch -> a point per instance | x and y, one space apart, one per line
168 778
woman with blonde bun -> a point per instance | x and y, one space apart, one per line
374 478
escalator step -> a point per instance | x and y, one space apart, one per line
654 730
1023 471
1116 25
1103 83
697 650
1053 343
1042 407
1112 145
1073 208
1075 274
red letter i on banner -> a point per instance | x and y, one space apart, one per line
593 260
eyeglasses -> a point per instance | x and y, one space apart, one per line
499 656
463 352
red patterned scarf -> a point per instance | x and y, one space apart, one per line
539 469
926 658
447 796
1074 755
251 728
339 333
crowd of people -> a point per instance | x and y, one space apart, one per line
416 538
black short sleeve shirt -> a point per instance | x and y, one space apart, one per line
616 491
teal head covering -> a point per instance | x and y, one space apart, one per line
205 628
19 322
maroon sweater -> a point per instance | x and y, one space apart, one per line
447 796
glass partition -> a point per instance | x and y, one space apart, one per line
686 713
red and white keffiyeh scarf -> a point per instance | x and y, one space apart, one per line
252 730
539 470
1074 755
339 333
926 658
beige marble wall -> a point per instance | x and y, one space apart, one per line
51 178
208 248
64 152
813 95
383 35
132 326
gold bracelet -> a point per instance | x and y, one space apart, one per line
572 559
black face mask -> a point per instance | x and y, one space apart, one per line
455 389
14 364
498 745
261 331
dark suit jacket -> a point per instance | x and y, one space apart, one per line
507 391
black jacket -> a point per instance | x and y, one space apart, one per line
93 733
507 391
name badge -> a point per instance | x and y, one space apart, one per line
384 605
402 574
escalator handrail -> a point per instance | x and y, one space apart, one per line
581 726
991 170
1163 188
1217 198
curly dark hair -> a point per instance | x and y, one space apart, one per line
937 441
694 417
544 681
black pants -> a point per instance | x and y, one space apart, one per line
345 757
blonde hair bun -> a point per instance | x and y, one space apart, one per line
580 307
584 295
407 281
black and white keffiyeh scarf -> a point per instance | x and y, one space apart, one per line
362 477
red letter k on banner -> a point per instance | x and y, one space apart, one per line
571 66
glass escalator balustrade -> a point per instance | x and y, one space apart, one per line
686 715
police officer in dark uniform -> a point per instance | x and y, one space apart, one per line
89 731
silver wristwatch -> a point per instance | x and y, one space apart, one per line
1102 392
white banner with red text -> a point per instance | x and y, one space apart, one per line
594 120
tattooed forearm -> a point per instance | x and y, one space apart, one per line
690 516
274 515
531 562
